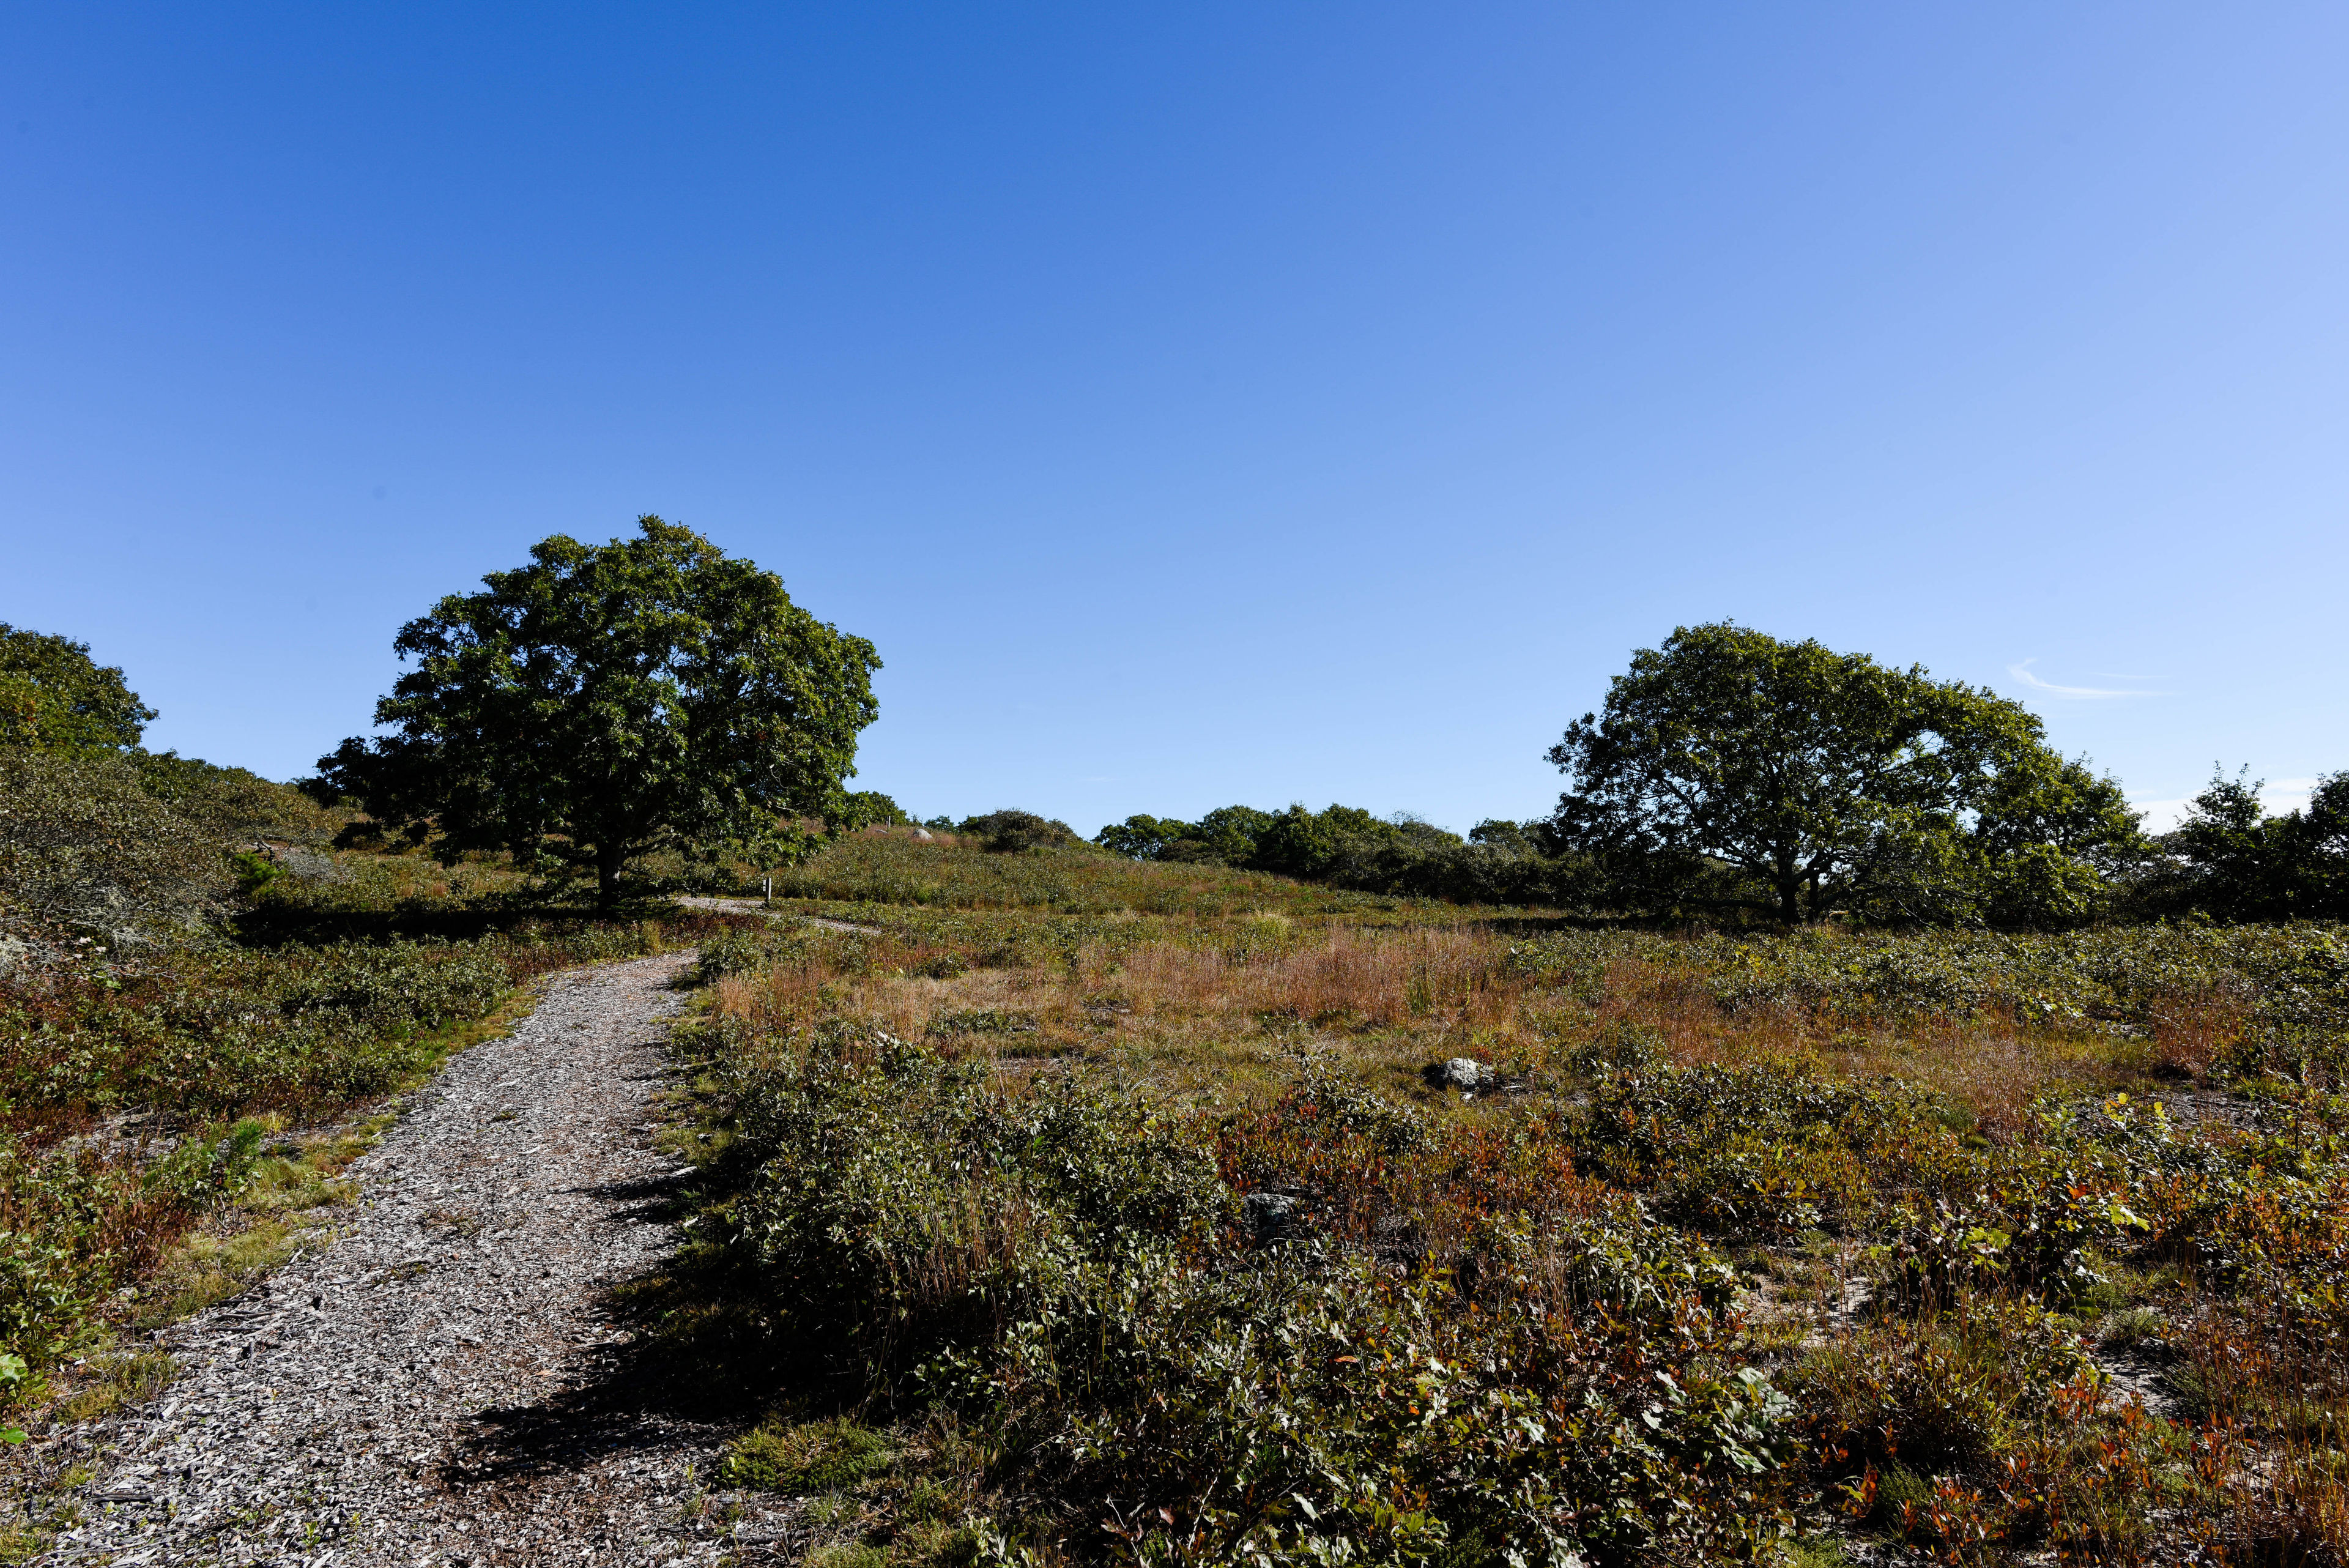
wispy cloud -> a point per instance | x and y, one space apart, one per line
2022 672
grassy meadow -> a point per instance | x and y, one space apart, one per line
891 867
1098 1211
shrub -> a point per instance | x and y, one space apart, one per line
1769 1149
731 951
1064 1266
1009 832
231 803
1347 846
1959 1388
74 1224
84 843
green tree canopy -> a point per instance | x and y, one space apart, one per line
1008 831
55 697
1142 836
607 701
2321 845
2233 860
1834 782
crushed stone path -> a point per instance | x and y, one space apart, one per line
446 1381
752 906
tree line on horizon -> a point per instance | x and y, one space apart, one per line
1730 772
604 702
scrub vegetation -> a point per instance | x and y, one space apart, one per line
1898 1160
1103 1229
201 1002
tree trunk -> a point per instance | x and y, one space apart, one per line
607 879
1790 899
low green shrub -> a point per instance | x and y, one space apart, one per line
905 1206
1958 1388
731 951
74 1224
1008 832
805 1457
1063 1266
85 845
1769 1149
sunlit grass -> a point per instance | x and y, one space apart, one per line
1936 1062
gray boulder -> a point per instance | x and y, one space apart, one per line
1462 1073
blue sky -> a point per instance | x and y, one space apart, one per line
1208 403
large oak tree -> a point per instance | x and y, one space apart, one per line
1835 782
607 701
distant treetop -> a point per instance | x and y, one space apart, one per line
607 700
1833 782
55 697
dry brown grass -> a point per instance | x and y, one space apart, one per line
1342 975
1221 1008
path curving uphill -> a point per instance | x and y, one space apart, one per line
753 907
445 1382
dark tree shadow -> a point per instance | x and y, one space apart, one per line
274 925
698 1350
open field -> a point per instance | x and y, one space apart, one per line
1109 1234
1090 1210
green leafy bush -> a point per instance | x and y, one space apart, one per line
1959 1387
1347 846
1770 1149
1008 832
75 1224
1064 1267
731 951
903 1206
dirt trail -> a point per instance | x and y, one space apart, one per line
752 906
445 1382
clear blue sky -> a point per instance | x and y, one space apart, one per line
1203 403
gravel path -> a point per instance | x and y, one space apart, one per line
752 906
446 1381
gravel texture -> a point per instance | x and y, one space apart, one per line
753 907
446 1381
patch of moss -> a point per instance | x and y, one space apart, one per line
805 1457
